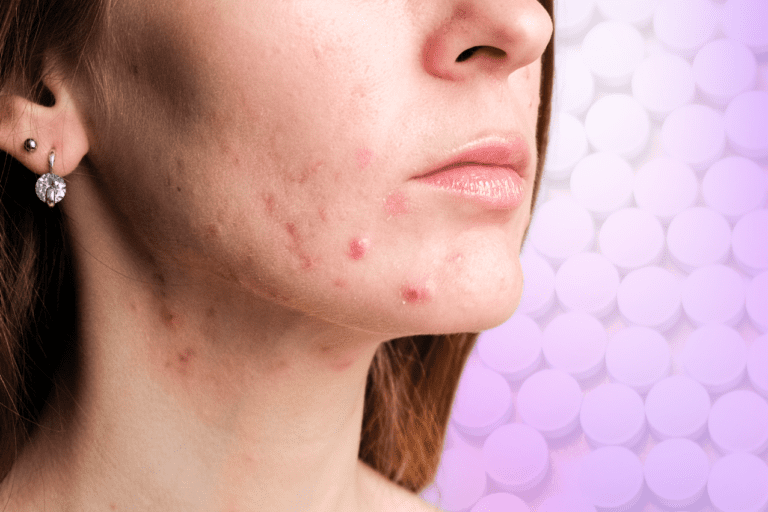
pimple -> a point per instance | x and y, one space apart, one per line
322 214
340 283
364 158
414 294
186 356
396 203
358 247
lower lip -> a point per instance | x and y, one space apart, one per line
498 188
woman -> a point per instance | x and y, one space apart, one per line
273 212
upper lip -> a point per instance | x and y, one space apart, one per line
510 151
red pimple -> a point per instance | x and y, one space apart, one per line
364 158
358 247
414 295
396 204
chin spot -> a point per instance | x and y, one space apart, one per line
358 247
414 294
396 204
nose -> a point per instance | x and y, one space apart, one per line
494 37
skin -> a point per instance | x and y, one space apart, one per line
246 233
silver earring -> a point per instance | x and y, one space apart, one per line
50 188
30 145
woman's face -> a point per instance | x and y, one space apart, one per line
275 145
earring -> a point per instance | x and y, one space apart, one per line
30 145
50 188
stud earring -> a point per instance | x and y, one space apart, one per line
30 145
49 187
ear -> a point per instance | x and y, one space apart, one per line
56 128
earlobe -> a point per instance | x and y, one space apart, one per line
57 128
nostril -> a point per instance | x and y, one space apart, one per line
466 54
491 51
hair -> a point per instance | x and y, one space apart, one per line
411 382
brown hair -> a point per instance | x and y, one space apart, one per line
411 382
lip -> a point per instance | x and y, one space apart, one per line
489 171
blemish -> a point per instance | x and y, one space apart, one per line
168 318
364 157
305 261
340 283
186 355
358 247
211 312
396 203
211 231
322 214
178 189
414 294
269 204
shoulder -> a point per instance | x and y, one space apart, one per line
391 497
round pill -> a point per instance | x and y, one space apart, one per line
612 51
516 457
483 401
750 243
500 502
575 343
716 356
734 186
746 123
757 364
738 422
613 414
602 183
566 502
460 478
560 228
738 481
685 25
630 11
617 123
572 18
723 69
744 20
662 83
697 237
757 301
650 297
631 238
538 285
694 134
665 186
677 406
611 477
567 145
638 357
574 83
512 349
549 401
676 471
714 293
587 282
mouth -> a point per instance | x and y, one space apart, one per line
490 172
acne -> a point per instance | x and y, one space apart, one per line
296 246
396 203
364 158
358 247
269 204
413 294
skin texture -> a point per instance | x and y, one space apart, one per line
247 232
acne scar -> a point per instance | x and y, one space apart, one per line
296 247
269 204
186 356
414 294
358 247
396 204
364 158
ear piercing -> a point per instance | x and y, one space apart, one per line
30 145
50 188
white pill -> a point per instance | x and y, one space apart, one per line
716 356
638 357
538 284
550 401
573 17
745 21
516 457
500 502
694 134
630 11
587 282
611 478
665 186
738 482
602 183
566 502
483 401
734 186
757 301
560 228
676 471
650 297
750 242
662 83
697 237
685 25
567 145
613 414
757 364
677 406
460 478
714 293
738 422
723 69
574 83
512 349
612 51
617 123
746 123
632 238
575 343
